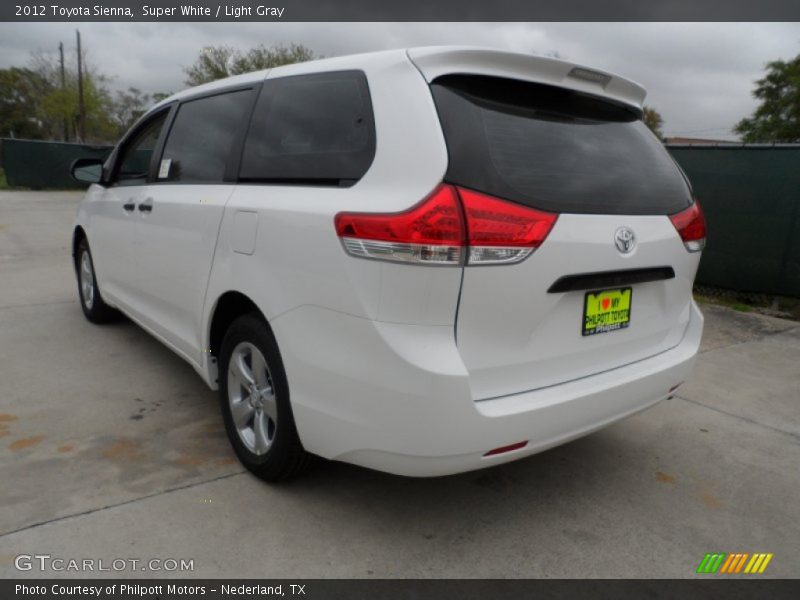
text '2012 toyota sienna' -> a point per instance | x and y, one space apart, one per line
421 261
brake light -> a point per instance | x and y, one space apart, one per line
502 232
432 232
452 226
691 226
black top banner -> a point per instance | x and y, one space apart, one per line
400 10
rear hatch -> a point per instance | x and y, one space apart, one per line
613 247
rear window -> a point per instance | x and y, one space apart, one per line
554 149
315 129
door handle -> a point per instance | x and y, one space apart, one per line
146 206
129 206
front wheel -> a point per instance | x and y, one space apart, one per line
95 309
254 397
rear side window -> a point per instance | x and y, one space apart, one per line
314 129
554 149
201 138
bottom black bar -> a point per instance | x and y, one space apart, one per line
711 586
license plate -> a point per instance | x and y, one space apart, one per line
606 310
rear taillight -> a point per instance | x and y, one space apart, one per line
432 232
452 226
691 226
501 232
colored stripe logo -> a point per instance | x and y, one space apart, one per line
734 563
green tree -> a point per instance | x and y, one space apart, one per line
217 62
127 107
777 118
653 119
60 104
21 91
35 105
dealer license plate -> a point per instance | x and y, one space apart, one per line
606 310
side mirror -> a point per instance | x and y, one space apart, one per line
87 170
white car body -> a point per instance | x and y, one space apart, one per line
413 370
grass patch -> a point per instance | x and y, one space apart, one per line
3 182
741 307
773 306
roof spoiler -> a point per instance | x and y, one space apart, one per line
435 61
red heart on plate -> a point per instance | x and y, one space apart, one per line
606 302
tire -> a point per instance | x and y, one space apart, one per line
254 398
92 303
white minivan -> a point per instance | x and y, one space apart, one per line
421 261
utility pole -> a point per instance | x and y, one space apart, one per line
81 106
63 87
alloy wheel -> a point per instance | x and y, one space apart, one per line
251 395
87 280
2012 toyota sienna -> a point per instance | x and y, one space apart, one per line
421 261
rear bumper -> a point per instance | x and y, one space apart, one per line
396 398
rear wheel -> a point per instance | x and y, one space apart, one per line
95 309
254 397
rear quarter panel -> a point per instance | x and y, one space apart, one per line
298 259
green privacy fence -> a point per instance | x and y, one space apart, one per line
751 198
41 165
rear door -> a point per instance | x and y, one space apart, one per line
180 212
613 248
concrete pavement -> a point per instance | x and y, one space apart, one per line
112 447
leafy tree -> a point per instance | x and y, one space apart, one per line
60 104
127 107
777 118
652 118
21 91
217 62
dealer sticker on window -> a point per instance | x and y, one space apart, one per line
163 168
606 310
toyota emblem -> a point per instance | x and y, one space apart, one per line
624 239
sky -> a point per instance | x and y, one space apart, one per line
699 76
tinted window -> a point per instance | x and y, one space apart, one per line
311 129
200 139
134 162
554 149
